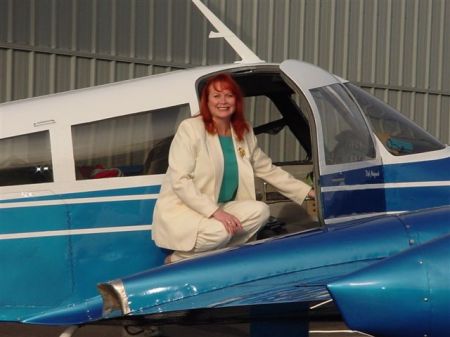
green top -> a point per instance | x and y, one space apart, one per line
230 179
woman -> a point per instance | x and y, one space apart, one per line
207 200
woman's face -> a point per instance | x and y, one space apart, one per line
221 102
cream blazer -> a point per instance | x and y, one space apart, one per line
191 186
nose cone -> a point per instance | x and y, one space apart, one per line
406 295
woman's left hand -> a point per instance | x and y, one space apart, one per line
229 221
311 194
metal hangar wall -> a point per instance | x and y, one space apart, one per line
397 49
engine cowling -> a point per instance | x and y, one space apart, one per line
405 295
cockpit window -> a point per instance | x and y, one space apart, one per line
26 159
346 137
398 134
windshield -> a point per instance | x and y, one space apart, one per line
346 136
399 135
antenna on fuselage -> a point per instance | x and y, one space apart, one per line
247 55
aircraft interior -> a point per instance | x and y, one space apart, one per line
283 132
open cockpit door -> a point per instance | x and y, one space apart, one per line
350 183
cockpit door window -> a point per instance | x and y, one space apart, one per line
346 136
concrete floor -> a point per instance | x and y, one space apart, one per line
318 329
325 322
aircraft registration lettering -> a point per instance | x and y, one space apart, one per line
372 174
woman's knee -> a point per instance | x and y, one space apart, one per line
249 210
212 236
263 210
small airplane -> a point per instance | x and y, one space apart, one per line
80 172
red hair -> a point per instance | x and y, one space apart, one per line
224 81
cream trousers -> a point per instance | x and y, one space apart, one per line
212 234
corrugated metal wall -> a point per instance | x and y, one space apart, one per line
397 49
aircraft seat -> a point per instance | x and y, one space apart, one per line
157 160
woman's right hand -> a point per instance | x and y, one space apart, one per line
229 221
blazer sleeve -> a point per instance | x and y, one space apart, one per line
283 181
182 161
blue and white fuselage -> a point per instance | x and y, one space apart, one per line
78 190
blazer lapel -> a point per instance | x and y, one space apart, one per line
246 188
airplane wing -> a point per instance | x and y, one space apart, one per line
272 271
294 268
363 265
